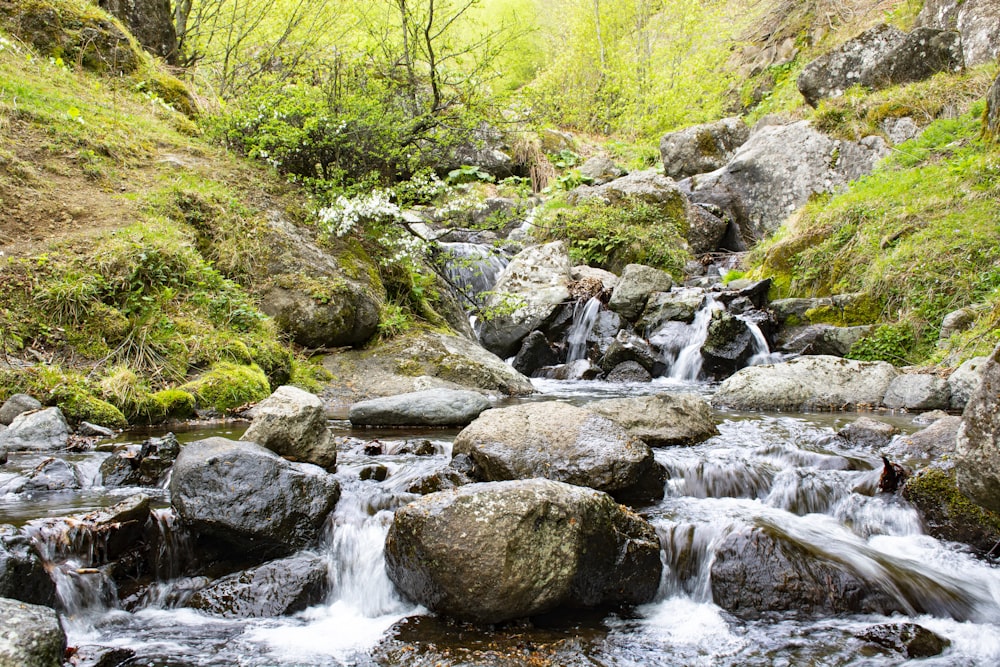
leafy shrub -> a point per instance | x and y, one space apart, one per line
890 343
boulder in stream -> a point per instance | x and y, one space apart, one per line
498 551
948 514
561 442
16 405
141 465
807 383
276 588
869 433
30 635
662 420
249 497
292 423
22 574
42 430
432 407
917 391
637 282
908 639
965 380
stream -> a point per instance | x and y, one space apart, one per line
787 472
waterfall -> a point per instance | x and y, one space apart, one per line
472 267
687 364
584 319
761 351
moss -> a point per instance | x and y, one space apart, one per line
78 405
309 376
410 368
169 404
226 386
847 311
707 146
171 90
949 514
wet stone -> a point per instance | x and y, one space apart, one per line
908 639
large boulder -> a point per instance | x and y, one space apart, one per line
947 514
776 172
922 53
978 21
433 407
22 574
600 170
821 339
150 21
917 391
15 405
702 148
30 635
561 442
527 293
807 383
637 282
43 431
499 551
965 380
292 423
249 497
648 186
977 450
661 420
833 73
276 588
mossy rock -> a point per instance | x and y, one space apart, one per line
948 514
173 91
75 31
168 404
226 386
78 405
847 311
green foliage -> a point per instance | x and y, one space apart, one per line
73 393
891 343
468 174
309 376
610 236
226 386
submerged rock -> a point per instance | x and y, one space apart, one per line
869 433
661 420
30 635
564 443
433 407
292 423
42 430
276 588
908 639
250 498
498 551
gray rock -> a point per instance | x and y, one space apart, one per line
677 305
22 574
43 430
433 407
821 339
292 423
600 170
908 639
584 272
534 284
661 420
141 465
30 635
964 381
777 171
119 530
728 347
499 551
52 475
957 321
648 186
702 148
833 73
564 443
978 21
629 347
15 405
928 444
977 450
993 110
922 54
485 150
947 514
628 371
917 391
535 353
637 282
807 383
869 433
276 588
706 231
89 430
795 309
150 21
248 496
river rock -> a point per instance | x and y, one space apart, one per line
434 407
600 170
707 231
965 380
778 170
498 551
728 347
535 353
52 475
977 450
947 513
42 430
637 282
662 420
868 433
978 21
581 369
531 288
15 405
677 305
249 497
22 575
931 443
702 148
833 73
908 639
629 347
757 570
30 635
922 54
807 383
821 339
561 442
917 391
292 423
628 371
141 465
276 588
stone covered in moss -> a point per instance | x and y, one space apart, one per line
81 406
226 386
949 515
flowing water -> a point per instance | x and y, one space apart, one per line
787 473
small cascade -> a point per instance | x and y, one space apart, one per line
473 267
584 319
761 351
686 360
174 545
